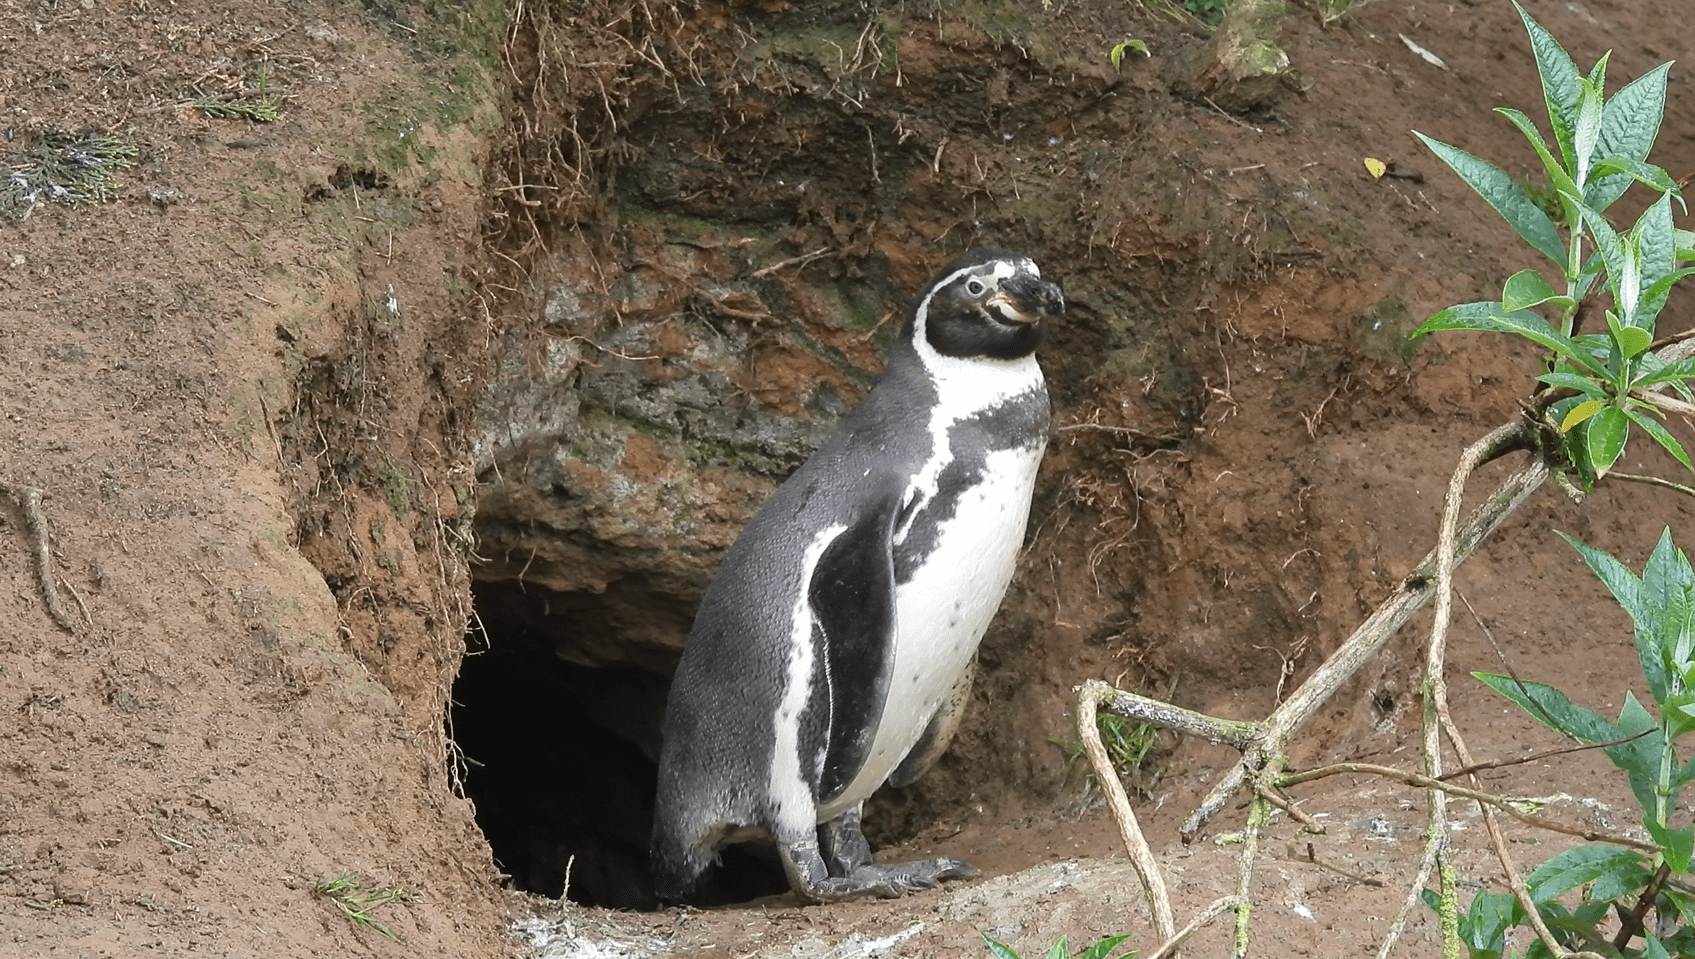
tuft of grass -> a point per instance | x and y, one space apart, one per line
262 107
68 168
358 898
1128 743
258 109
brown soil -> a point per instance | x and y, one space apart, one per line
250 390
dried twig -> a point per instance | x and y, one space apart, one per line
1453 789
1435 694
1089 695
1169 946
29 501
1224 732
1263 758
793 261
1314 858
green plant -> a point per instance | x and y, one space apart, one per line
1059 950
1128 742
1208 12
68 168
263 107
1599 385
1117 54
1628 882
357 899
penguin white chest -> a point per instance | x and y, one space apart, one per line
942 611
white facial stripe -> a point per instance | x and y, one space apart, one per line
795 809
964 386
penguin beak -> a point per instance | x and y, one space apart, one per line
1025 300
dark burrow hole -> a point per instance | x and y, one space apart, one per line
559 728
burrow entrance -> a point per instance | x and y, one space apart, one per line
561 740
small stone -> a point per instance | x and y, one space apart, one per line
72 889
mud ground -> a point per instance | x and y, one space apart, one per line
247 387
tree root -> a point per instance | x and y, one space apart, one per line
29 503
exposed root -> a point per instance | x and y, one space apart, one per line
29 502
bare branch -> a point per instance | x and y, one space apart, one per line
1408 598
1652 481
1498 802
1169 947
1141 856
1225 732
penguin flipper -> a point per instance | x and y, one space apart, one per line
939 733
852 594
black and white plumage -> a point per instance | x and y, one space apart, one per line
833 651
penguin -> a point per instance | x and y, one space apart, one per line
833 650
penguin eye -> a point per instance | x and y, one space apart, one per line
974 288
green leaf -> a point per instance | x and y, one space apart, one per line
1679 714
1604 435
1685 245
1551 708
1587 133
1619 580
1102 949
1535 329
1667 573
1059 950
1562 85
1580 413
1655 240
1651 948
1464 316
1627 170
1574 381
1667 372
999 950
1633 340
1683 775
1559 176
1660 435
1629 123
1525 289
1639 757
1507 197
1654 297
1117 54
1627 876
1678 844
1575 867
1484 926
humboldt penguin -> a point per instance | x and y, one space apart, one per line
833 651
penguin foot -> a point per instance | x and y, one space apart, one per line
889 880
810 879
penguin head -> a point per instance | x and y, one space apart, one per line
987 303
